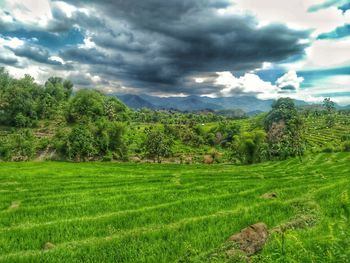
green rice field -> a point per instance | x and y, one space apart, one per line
111 212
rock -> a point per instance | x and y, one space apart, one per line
208 159
48 246
252 238
135 159
269 195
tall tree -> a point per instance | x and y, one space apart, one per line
284 129
329 107
157 145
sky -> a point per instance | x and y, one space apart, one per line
263 48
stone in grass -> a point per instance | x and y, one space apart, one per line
48 246
269 195
251 239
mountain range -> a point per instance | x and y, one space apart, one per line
248 104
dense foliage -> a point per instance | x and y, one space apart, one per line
55 121
285 129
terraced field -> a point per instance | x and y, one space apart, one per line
105 212
318 135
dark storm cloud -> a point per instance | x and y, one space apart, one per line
92 57
122 40
177 39
8 60
159 45
61 22
35 53
344 7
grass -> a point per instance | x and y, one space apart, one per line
105 212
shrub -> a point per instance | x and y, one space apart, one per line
80 145
108 157
19 146
328 149
5 149
346 146
249 147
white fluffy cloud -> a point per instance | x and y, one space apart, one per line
250 83
325 54
289 81
32 12
321 53
294 13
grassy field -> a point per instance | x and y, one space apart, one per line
105 212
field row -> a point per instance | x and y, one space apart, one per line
145 213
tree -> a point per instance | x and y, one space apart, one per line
282 110
91 105
249 147
157 145
114 109
329 107
109 138
284 129
80 145
18 102
59 88
86 105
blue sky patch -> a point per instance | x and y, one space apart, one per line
339 32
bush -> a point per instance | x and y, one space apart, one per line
328 149
5 149
102 139
19 146
346 146
249 147
80 145
108 157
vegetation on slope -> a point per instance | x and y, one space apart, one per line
50 122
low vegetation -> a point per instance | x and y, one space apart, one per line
105 212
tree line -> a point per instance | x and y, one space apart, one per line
88 125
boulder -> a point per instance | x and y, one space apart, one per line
269 195
208 159
251 239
